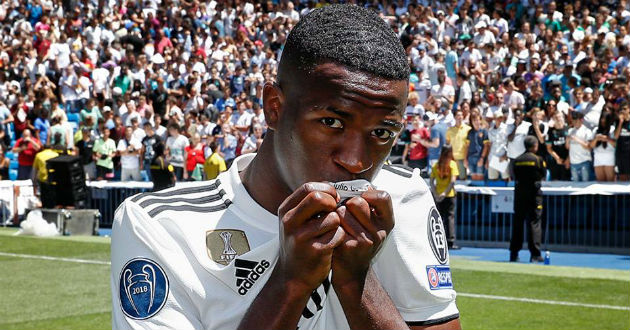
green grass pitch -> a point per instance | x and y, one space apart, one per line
52 294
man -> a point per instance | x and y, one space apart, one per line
518 131
176 151
497 159
26 147
529 170
148 142
578 143
280 251
40 176
129 151
162 173
84 149
457 136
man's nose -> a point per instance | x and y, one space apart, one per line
353 154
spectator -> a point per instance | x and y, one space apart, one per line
515 145
622 135
194 154
437 135
129 151
578 143
556 146
58 128
477 148
413 107
42 126
85 150
255 139
5 164
214 163
456 137
443 176
227 144
148 142
603 146
498 136
415 153
26 147
176 151
103 152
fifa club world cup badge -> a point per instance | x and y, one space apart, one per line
224 245
143 288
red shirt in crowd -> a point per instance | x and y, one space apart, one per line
27 156
194 157
419 151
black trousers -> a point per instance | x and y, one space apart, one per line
446 208
530 210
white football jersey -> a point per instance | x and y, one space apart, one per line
196 256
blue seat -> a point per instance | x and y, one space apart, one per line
14 165
13 174
73 117
11 131
10 155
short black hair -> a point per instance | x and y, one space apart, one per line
349 35
530 142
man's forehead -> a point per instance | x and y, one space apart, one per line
339 79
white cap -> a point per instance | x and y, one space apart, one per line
481 24
117 91
588 90
107 108
157 59
578 35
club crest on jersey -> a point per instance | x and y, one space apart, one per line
226 244
437 236
143 288
248 272
439 277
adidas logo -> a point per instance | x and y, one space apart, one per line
247 273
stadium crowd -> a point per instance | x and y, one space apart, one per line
122 84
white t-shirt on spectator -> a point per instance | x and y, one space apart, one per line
445 91
129 161
577 153
516 147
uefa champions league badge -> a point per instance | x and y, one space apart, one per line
143 288
439 277
349 189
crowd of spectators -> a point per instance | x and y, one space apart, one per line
113 81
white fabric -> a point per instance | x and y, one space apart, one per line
202 293
129 161
577 153
605 156
516 147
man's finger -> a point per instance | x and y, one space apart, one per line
299 194
360 209
381 207
314 204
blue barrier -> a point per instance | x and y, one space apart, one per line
573 220
595 223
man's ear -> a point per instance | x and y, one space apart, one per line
273 100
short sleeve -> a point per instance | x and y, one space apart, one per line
413 265
146 293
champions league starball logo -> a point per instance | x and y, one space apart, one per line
437 236
143 288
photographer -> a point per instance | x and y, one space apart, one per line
26 147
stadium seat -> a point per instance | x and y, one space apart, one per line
73 118
13 175
14 165
11 131
10 155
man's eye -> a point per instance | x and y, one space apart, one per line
382 133
332 122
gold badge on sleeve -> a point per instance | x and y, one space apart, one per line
226 244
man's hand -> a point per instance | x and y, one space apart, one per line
366 221
309 232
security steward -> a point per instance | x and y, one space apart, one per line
529 170
162 173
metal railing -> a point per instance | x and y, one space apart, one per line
577 218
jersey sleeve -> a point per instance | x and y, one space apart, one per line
147 291
413 264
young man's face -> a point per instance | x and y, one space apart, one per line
333 124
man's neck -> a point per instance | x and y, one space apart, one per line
267 190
